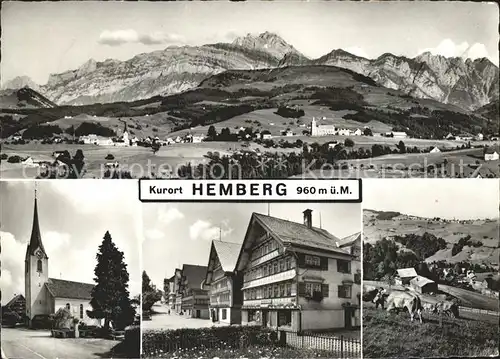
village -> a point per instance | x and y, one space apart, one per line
295 281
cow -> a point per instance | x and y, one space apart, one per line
447 308
401 300
375 295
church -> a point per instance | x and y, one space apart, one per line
46 295
321 130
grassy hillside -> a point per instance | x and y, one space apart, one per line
483 231
393 335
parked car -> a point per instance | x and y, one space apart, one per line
10 319
42 321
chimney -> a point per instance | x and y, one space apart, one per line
308 218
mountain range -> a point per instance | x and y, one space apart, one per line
468 84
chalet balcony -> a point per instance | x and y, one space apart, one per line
265 258
278 277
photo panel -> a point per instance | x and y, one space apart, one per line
251 279
430 268
249 89
70 275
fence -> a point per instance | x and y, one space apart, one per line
341 346
338 346
479 311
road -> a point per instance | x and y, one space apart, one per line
21 343
163 320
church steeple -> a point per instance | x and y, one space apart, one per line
36 237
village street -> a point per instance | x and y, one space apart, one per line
163 320
22 343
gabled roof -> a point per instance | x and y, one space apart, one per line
349 240
18 297
407 272
228 254
298 234
67 289
194 275
490 151
421 281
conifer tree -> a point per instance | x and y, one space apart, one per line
110 297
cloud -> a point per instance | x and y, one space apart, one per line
169 214
129 36
154 234
358 51
207 231
12 255
448 48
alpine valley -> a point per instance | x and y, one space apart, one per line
257 85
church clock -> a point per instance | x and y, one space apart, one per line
39 254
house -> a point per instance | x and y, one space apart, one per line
194 294
46 295
295 276
464 137
178 290
289 133
16 305
358 132
197 138
435 150
266 136
399 134
172 292
225 285
56 154
29 162
321 130
479 137
404 275
423 285
490 155
450 136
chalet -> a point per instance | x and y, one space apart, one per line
194 294
423 285
435 150
16 305
266 136
225 286
295 276
490 155
358 132
450 136
404 275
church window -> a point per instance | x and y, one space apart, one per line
81 311
68 307
39 266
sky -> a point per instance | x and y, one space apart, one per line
177 234
73 218
444 198
39 38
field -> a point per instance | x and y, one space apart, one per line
142 159
393 335
485 231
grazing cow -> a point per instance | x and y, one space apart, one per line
402 300
375 295
447 308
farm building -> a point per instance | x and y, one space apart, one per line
399 134
404 275
16 305
435 150
423 285
490 155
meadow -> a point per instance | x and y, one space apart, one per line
387 335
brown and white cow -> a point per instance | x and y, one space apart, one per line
448 308
403 300
374 295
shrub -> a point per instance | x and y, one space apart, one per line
4 156
109 157
14 159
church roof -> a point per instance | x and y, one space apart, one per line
67 289
36 237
